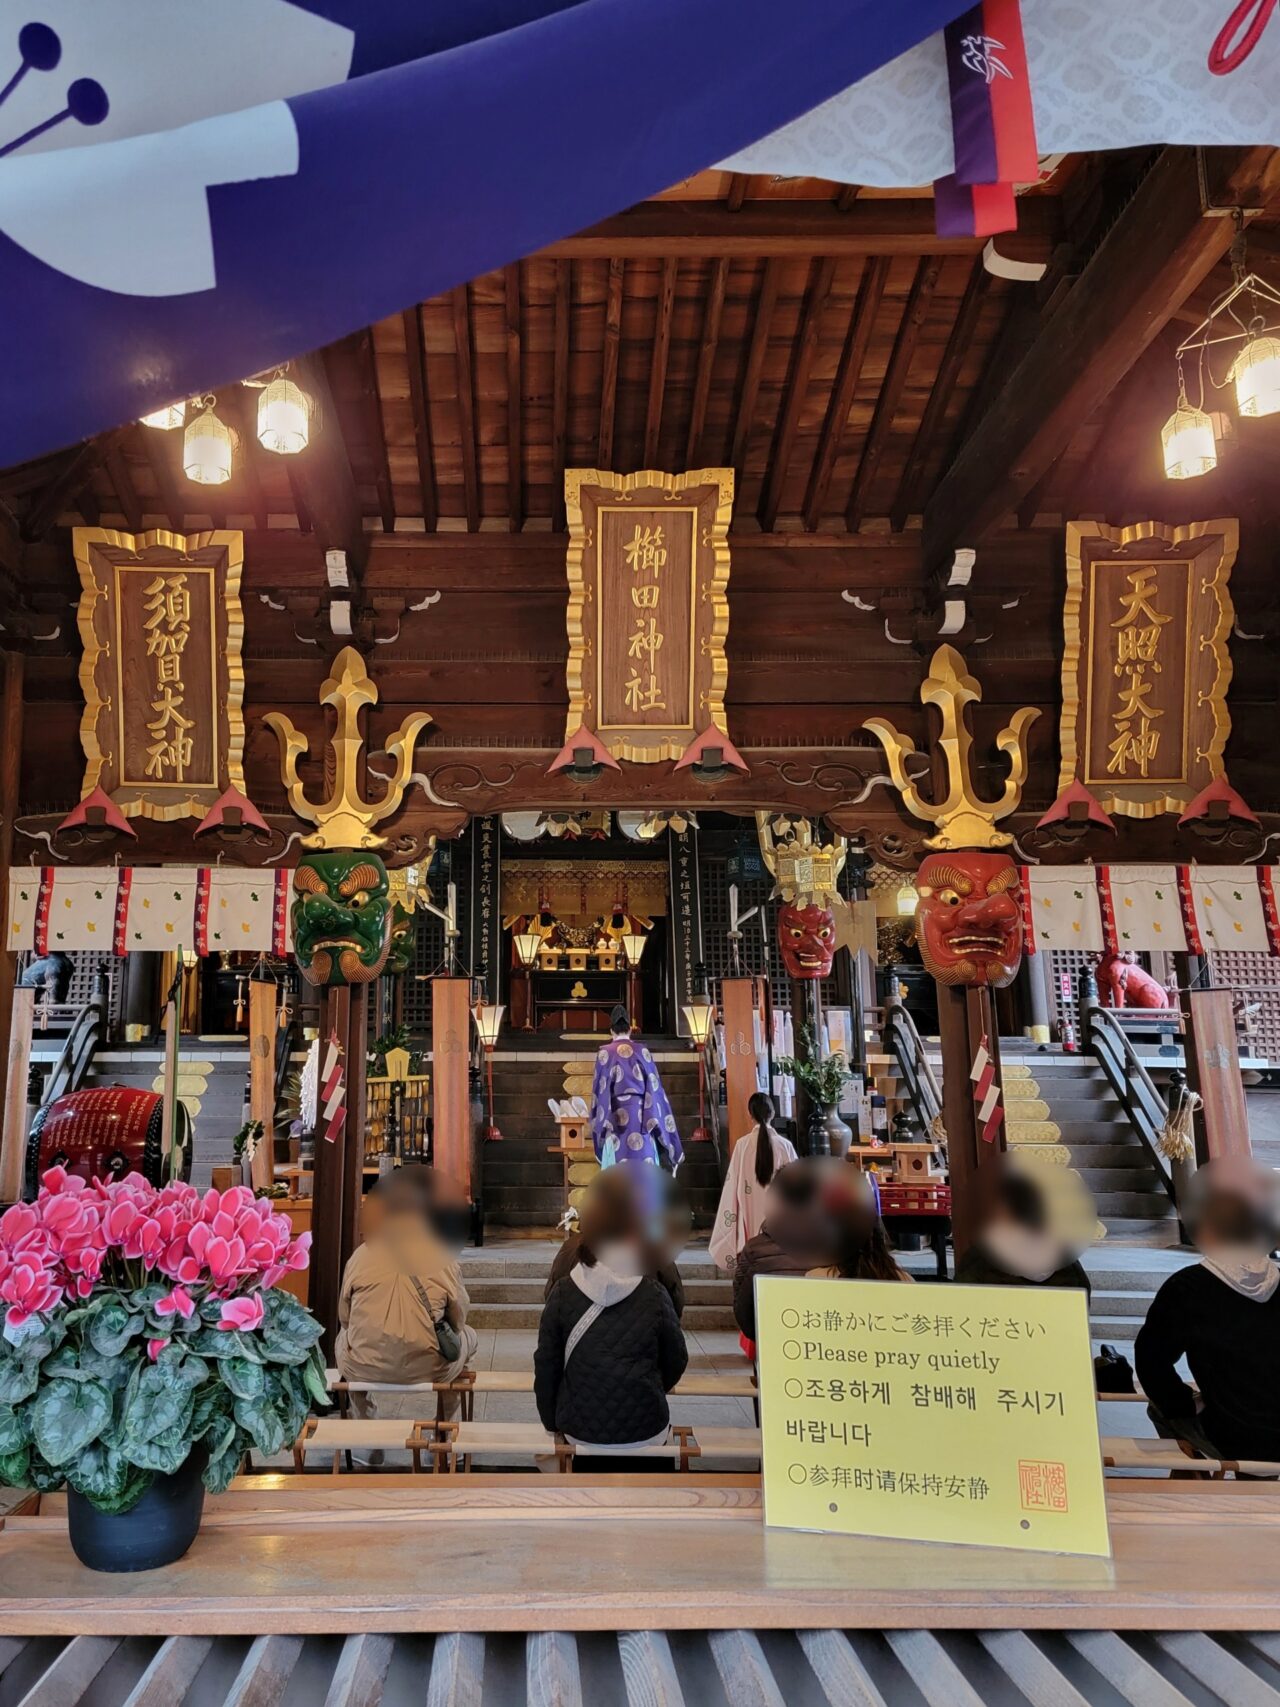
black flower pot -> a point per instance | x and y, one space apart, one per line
158 1530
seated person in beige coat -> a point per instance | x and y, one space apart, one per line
403 1307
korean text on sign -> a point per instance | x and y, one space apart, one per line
962 1414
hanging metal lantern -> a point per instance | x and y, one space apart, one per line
284 417
207 449
1256 372
1188 441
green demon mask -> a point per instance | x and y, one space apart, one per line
341 916
404 938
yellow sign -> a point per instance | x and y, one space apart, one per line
931 1413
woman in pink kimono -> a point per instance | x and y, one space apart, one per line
752 1164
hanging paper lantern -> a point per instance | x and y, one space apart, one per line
1189 444
1257 376
171 416
284 417
206 450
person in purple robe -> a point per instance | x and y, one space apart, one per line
630 1114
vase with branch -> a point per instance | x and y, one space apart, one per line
823 1079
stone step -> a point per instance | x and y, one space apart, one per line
1143 1205
1108 1303
1160 1232
1107 1155
711 1318
1109 1180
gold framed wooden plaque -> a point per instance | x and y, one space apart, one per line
648 567
161 625
1146 662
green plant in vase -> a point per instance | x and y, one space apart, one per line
823 1079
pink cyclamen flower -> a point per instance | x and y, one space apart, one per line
245 1312
155 1347
179 1302
28 1288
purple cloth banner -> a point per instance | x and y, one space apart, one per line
190 192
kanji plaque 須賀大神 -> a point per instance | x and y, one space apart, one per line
161 624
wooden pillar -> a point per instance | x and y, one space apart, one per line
262 1076
965 1017
1214 1045
450 1058
10 791
1190 970
339 1165
806 1010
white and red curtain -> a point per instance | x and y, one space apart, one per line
126 910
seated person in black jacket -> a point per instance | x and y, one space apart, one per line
674 1232
610 1347
1025 1238
1223 1316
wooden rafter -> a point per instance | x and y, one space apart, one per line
163 451
239 408
560 390
904 348
65 487
861 323
797 386
415 355
323 473
958 346
717 279
658 362
609 362
122 481
739 183
1155 254
375 431
846 196
460 302
796 228
515 399
766 302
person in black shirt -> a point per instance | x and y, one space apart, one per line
1019 1242
1223 1315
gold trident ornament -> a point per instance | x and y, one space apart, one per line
345 820
962 819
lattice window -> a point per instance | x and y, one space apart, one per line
1257 977
85 963
447 866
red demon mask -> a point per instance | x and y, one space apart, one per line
969 918
807 938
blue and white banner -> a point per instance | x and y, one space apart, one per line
194 190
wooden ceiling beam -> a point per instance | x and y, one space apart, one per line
861 323
764 228
895 378
958 346
375 430
658 361
460 301
122 482
416 357
560 389
609 362
323 473
766 302
796 390
1155 254
164 453
65 487
240 407
739 182
713 309
515 399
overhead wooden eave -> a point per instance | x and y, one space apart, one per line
1159 249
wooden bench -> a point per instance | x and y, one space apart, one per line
699 1385
1120 1452
345 1435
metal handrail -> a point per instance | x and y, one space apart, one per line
905 1045
1105 1039
88 1029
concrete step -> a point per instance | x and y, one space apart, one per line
1129 1154
1108 1303
1161 1232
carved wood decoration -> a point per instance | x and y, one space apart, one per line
161 625
648 566
1146 663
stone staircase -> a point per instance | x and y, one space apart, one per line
522 1183
1065 1102
506 1284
